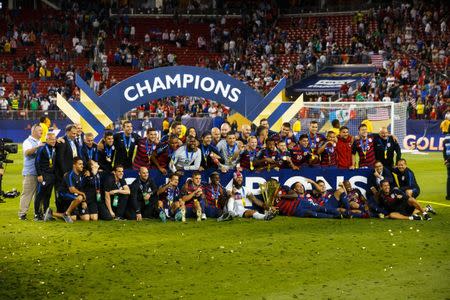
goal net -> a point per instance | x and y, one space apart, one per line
352 114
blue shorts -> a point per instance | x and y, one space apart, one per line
212 212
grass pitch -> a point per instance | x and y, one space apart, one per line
286 258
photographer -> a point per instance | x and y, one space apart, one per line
29 183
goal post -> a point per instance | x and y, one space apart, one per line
351 114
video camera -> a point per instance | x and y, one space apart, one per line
5 149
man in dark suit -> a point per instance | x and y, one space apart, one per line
125 143
79 139
66 150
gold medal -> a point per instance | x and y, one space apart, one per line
251 166
385 154
50 163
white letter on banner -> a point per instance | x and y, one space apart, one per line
187 78
172 81
235 92
339 179
197 80
356 179
127 96
250 182
141 89
223 89
203 84
158 84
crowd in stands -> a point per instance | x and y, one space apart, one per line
413 42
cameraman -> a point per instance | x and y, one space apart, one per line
29 183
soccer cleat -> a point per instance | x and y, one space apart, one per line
162 216
119 219
269 215
179 216
204 216
427 217
417 217
48 216
225 217
38 218
381 215
23 217
430 209
67 218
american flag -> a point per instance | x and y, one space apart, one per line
378 114
377 60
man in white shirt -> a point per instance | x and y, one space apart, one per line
29 182
189 156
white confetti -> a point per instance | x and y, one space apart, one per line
393 245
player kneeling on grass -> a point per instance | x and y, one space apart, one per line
142 196
169 204
116 194
92 189
215 195
71 195
400 206
193 198
405 179
242 201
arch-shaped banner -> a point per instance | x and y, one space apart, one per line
98 112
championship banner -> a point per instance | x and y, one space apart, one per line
329 80
331 176
98 112
423 135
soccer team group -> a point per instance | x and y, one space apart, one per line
88 178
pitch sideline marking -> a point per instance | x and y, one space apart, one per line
436 203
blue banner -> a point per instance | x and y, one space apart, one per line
331 176
423 135
330 79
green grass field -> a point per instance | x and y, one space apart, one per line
282 259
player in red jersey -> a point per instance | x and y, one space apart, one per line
301 154
327 151
268 158
344 146
314 140
364 145
163 156
145 149
357 203
193 197
285 161
247 158
215 196
169 199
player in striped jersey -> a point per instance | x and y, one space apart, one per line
193 197
314 140
327 151
247 158
364 145
269 157
163 156
215 196
145 149
169 199
301 154
285 161
358 205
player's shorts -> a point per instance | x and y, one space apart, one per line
239 209
404 209
63 202
213 212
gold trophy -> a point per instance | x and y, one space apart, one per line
269 191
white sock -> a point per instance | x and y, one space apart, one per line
411 218
258 216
